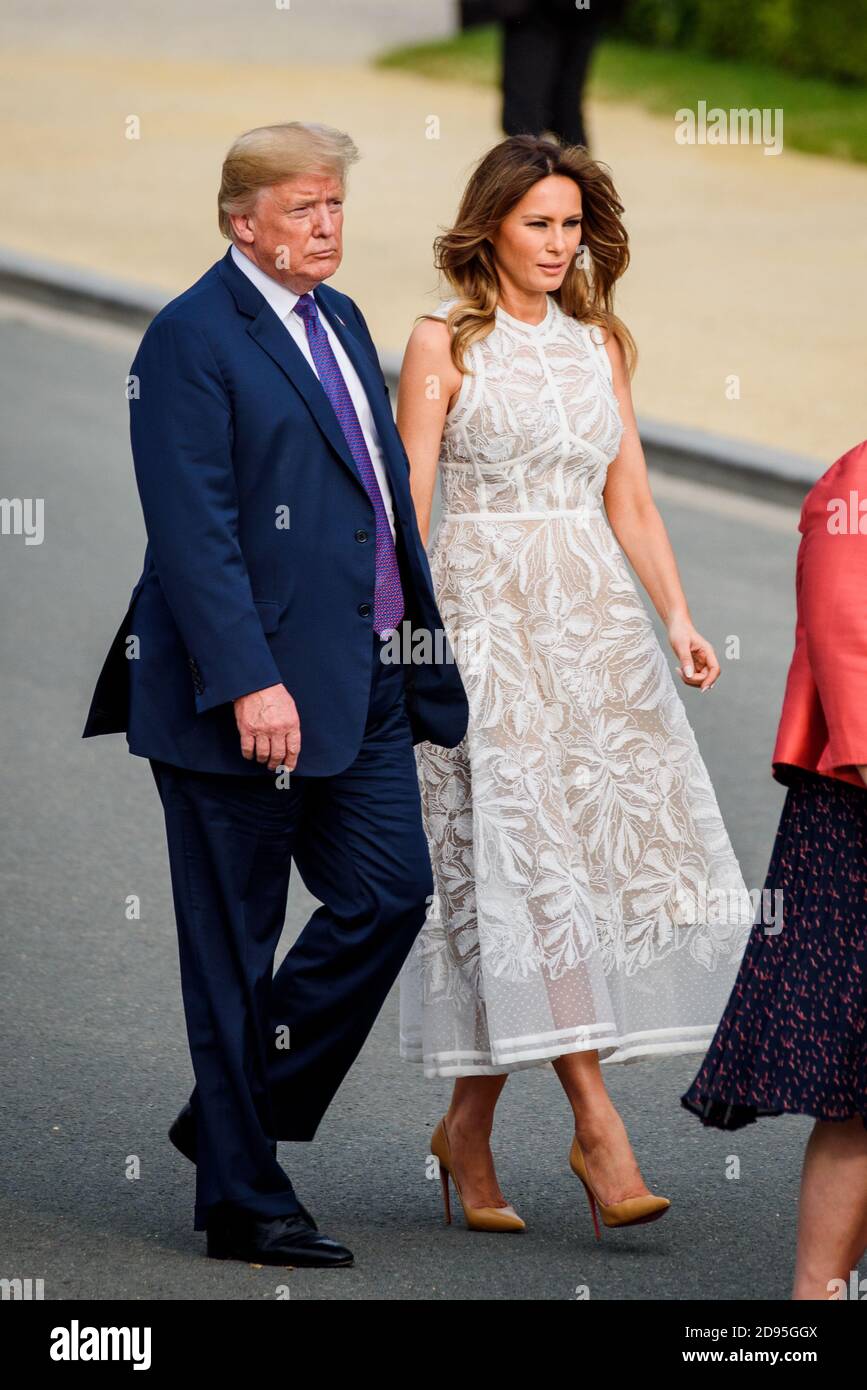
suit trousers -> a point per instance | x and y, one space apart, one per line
269 1050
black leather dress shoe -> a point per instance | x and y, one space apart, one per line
183 1135
234 1234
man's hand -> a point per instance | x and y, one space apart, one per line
269 727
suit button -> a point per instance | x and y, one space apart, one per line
361 535
364 609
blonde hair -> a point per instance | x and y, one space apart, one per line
465 255
273 153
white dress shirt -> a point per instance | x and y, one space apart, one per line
283 301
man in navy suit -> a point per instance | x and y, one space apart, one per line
282 553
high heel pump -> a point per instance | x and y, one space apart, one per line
632 1211
477 1218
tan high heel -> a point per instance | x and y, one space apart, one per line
632 1211
477 1218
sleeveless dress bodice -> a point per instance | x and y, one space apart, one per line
536 424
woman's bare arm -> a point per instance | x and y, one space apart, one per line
641 532
429 381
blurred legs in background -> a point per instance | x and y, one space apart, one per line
546 58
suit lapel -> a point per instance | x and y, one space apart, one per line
371 379
274 339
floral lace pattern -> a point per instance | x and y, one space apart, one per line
575 836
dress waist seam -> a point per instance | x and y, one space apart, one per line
584 510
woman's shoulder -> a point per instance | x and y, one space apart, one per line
591 331
431 330
430 345
442 309
431 327
602 341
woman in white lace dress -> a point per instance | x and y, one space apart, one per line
589 906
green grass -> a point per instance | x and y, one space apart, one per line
818 116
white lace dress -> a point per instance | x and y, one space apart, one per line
586 892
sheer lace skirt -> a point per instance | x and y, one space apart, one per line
586 892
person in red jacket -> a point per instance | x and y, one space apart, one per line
793 1038
823 726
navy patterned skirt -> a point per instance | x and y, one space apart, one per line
793 1037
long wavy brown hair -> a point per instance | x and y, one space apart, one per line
465 254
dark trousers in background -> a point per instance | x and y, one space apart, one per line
546 57
358 843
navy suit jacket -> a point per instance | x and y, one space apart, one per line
260 562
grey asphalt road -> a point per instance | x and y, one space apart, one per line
93 1199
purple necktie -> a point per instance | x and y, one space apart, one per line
388 605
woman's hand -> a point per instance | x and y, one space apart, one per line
862 770
698 663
